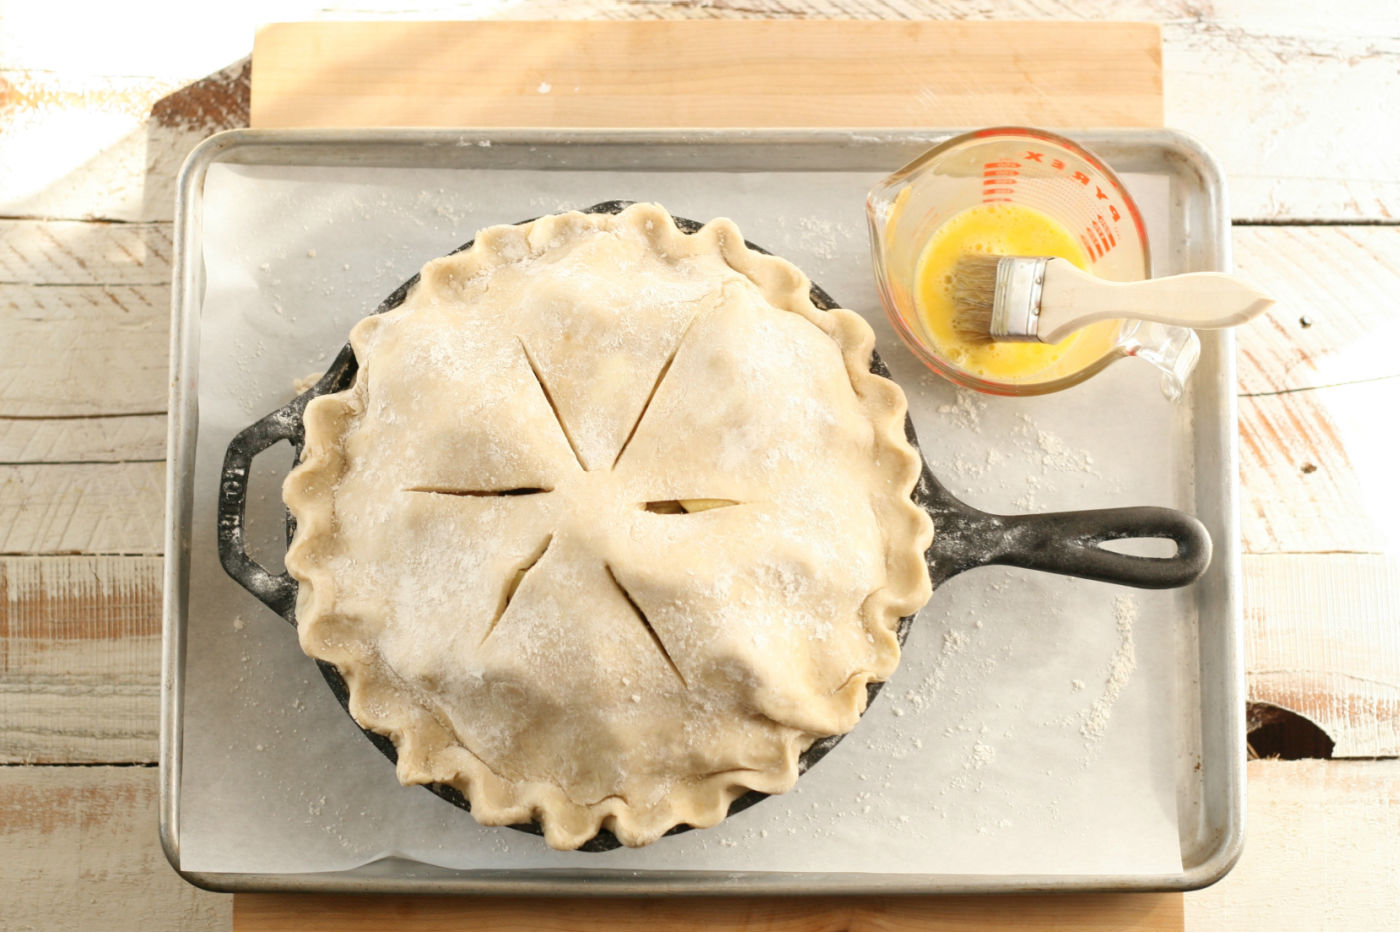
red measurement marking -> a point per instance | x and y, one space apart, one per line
1102 227
999 179
1080 177
1098 193
1057 164
1113 212
1034 157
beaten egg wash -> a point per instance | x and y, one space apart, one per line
1010 230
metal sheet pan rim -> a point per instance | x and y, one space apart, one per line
556 883
340 146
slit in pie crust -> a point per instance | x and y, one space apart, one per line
612 524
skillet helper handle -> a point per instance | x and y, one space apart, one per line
1071 543
277 591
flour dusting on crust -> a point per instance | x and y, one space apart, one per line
611 526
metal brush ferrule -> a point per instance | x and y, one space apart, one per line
1016 306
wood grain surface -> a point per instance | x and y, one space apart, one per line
1026 912
80 853
105 334
1321 853
79 659
1297 101
1341 674
717 73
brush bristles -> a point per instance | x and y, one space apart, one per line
974 296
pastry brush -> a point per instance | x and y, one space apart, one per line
1038 298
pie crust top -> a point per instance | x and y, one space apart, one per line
611 526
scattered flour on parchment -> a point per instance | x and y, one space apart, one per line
966 408
1050 450
1036 463
818 237
982 755
921 696
1094 720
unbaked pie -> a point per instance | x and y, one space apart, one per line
612 524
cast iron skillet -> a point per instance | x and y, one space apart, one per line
964 537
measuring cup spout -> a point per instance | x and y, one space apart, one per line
1173 350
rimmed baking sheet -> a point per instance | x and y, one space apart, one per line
1041 732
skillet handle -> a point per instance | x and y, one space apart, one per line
277 591
1070 543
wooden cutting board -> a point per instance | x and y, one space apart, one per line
708 74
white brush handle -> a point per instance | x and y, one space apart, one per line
1073 299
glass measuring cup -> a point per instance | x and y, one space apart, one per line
1062 180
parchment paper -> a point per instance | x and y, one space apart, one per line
1034 724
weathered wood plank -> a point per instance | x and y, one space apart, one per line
1323 851
80 659
85 350
109 439
79 851
84 146
71 252
1322 638
1337 318
83 508
1283 97
97 256
1317 469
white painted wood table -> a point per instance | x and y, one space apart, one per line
99 107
